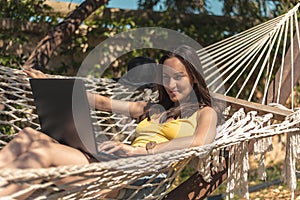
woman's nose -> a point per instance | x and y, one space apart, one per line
172 83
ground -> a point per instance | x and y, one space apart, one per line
274 164
274 193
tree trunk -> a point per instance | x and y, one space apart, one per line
196 188
42 53
285 88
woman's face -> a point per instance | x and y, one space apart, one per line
176 80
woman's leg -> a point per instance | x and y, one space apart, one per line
42 154
33 149
38 151
20 144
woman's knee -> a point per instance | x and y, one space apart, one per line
25 135
41 144
34 135
26 131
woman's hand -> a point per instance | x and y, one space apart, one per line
121 149
33 73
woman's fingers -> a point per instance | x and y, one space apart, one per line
105 145
109 146
117 151
114 147
33 73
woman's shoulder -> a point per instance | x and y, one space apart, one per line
206 111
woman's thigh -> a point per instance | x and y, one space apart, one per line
36 135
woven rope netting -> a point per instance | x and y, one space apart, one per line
18 112
250 52
252 58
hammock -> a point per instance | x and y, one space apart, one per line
250 54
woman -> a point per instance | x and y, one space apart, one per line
184 118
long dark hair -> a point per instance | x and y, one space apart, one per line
187 55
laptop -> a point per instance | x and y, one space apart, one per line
64 114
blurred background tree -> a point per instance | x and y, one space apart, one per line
25 23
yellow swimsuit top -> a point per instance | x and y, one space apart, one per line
163 132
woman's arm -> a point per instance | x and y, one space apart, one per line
133 109
205 133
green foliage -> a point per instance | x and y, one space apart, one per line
22 9
186 173
13 37
13 61
256 9
172 14
174 5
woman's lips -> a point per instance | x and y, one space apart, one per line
173 91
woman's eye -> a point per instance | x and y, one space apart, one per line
165 78
178 77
